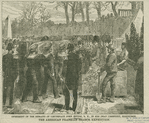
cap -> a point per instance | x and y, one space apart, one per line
33 47
111 47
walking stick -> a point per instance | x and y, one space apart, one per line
98 83
98 95
67 89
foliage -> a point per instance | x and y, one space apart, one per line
111 6
32 14
30 11
134 43
106 38
142 36
64 5
98 27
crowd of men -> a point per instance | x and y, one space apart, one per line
41 68
67 70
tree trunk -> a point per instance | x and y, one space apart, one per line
114 8
73 12
66 13
87 12
99 13
98 8
82 12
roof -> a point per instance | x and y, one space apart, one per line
137 20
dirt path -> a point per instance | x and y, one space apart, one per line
85 105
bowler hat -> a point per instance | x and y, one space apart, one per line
9 46
70 46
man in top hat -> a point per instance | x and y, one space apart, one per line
8 71
111 68
71 77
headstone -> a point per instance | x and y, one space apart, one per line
90 85
120 85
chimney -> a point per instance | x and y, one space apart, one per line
133 7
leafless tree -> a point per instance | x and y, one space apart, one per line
64 4
79 9
97 6
87 4
33 14
73 9
112 6
29 12
44 14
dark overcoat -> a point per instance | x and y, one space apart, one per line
72 71
8 69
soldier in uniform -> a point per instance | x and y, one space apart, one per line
21 68
71 77
82 53
49 74
111 68
8 73
60 57
58 63
31 75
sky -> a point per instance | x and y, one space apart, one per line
13 9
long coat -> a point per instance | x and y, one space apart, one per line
139 77
72 71
9 70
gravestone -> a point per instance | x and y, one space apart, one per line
90 83
120 84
